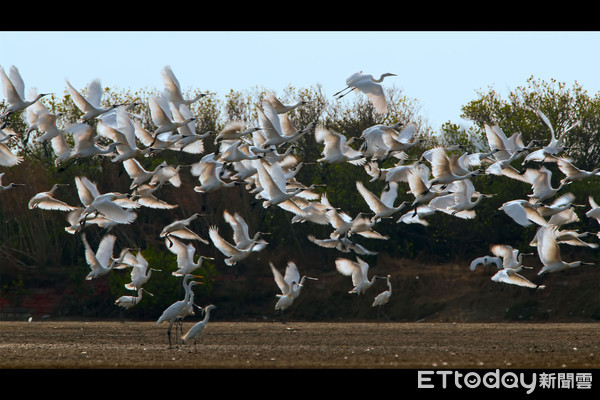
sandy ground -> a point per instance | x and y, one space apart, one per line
47 344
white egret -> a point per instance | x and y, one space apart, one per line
271 128
144 196
337 149
171 313
233 254
10 185
512 277
162 116
279 107
290 284
273 184
370 86
523 212
108 204
420 187
343 244
123 133
47 201
140 272
573 173
172 89
234 130
549 253
594 211
7 157
556 144
460 202
358 270
100 262
241 235
511 258
486 261
180 229
540 180
442 171
382 298
382 206
185 256
13 89
85 142
199 327
90 104
129 301
210 173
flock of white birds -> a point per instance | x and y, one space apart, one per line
259 158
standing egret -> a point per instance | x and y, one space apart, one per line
171 313
126 302
370 86
198 328
13 89
382 298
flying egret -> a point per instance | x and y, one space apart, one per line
172 89
162 116
140 272
180 229
108 204
10 185
100 262
210 173
382 298
540 180
185 256
556 144
523 212
358 270
13 89
241 235
460 202
594 211
234 130
511 258
279 107
7 157
343 244
290 285
486 261
512 277
198 328
442 170
382 206
370 86
47 201
549 253
337 149
573 173
144 196
233 254
90 104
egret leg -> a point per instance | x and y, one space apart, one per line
169 333
346 88
282 317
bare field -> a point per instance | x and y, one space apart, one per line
300 345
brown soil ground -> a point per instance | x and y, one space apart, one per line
46 344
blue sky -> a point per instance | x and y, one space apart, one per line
441 69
